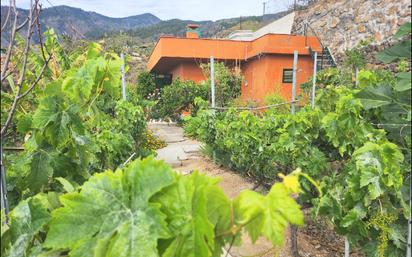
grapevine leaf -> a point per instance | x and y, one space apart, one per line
404 82
26 220
353 216
397 235
79 86
67 186
185 204
94 50
24 123
249 211
268 215
373 97
47 112
113 210
219 212
41 171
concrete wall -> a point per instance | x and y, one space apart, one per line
281 26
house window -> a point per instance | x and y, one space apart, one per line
287 76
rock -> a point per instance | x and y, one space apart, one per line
361 28
334 23
341 24
378 36
393 11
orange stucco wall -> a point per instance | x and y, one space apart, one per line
188 70
264 76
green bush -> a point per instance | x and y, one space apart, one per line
227 83
272 99
146 86
178 97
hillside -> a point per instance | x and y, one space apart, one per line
78 23
219 28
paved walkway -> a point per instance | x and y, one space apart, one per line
179 148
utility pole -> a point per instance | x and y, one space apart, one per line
264 8
240 22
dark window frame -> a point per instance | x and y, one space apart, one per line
283 76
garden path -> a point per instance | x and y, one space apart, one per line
184 155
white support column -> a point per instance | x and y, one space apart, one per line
212 80
123 77
295 65
347 247
315 64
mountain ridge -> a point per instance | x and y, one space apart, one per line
78 24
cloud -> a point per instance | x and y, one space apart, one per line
167 9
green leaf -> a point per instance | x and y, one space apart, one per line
185 204
399 50
79 85
354 216
67 186
40 171
404 30
26 220
113 210
379 167
404 82
11 83
24 123
249 210
46 112
373 97
267 215
397 235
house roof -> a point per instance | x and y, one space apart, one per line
170 50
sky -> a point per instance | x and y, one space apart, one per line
169 9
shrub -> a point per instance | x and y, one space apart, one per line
177 97
276 99
227 83
146 85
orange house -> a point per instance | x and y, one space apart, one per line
265 62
